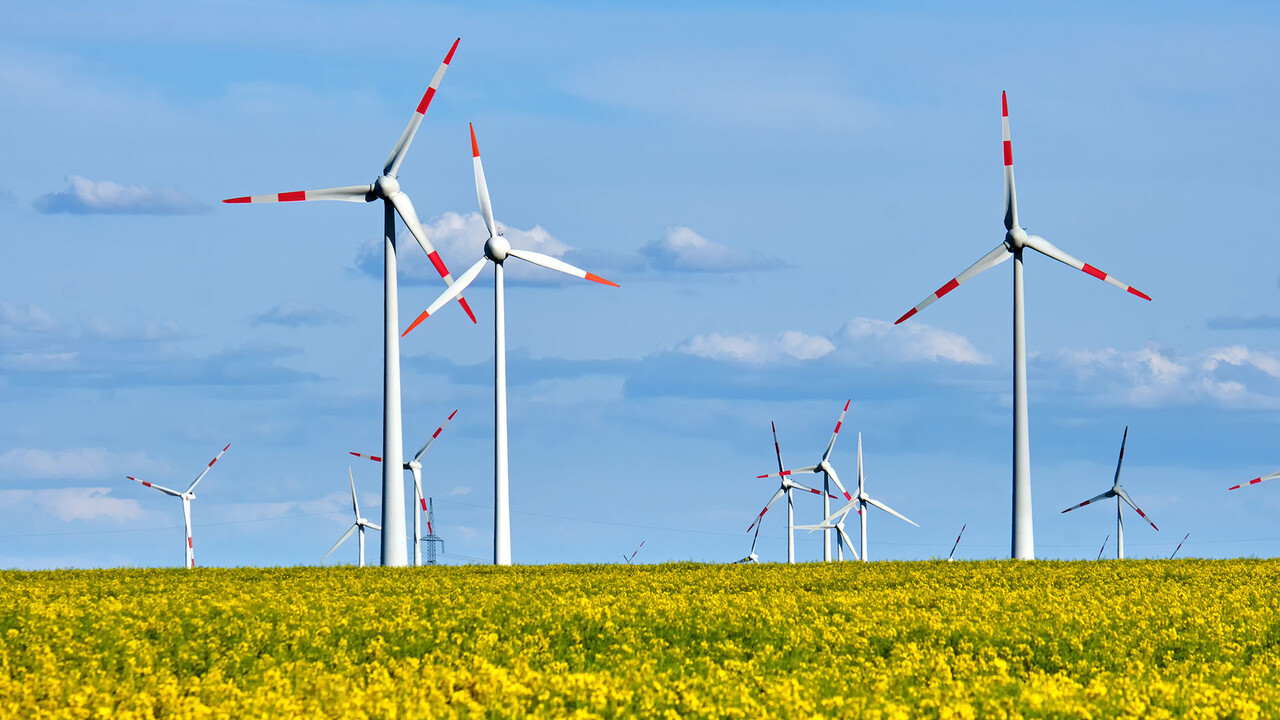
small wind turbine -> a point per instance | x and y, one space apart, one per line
414 465
1103 548
842 538
1257 480
861 501
1175 550
1119 494
633 554
787 485
751 556
360 523
187 497
1016 240
394 201
497 250
952 556
828 476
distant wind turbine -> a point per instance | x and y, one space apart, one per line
1120 495
1175 550
496 251
751 556
828 476
785 488
1103 548
1015 241
394 201
190 494
414 465
359 525
952 556
861 501
633 553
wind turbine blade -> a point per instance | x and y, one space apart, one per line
355 504
1095 498
186 518
1256 480
633 554
1125 496
404 208
845 509
1175 550
341 540
957 544
1120 462
371 526
453 291
831 472
392 166
847 542
1104 546
1010 195
831 444
153 486
551 263
793 471
435 434
768 505
206 469
861 477
799 486
816 526
986 262
417 484
350 193
374 458
1039 244
776 448
482 188
890 510
754 540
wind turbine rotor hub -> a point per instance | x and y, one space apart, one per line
1016 238
386 186
496 248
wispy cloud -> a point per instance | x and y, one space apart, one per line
70 504
1237 322
74 464
90 197
683 250
295 314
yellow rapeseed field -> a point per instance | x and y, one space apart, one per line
1138 639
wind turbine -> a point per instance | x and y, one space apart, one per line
360 523
1175 550
836 522
751 557
497 250
633 554
952 556
828 475
187 497
1015 241
1104 546
861 501
1119 494
394 201
786 487
1257 480
414 465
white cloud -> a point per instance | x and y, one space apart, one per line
75 464
296 314
683 250
459 490
917 342
86 197
1234 377
755 350
147 330
70 504
31 319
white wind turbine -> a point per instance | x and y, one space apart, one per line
785 488
829 475
751 557
414 465
861 501
1256 480
387 188
1015 241
1119 494
497 250
836 522
632 557
187 497
360 524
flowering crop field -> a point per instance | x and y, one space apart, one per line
1183 638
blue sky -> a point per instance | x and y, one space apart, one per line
772 188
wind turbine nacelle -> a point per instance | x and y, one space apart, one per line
386 186
1016 238
496 248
